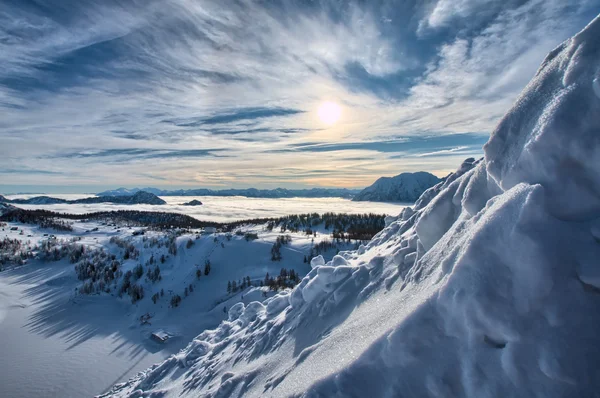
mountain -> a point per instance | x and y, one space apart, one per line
488 286
193 203
249 192
140 197
405 187
37 200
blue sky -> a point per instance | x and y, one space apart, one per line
182 93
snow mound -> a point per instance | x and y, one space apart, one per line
489 286
552 135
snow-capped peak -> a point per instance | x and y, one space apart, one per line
405 187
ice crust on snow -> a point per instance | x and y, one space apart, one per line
488 286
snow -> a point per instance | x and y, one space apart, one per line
52 335
550 137
53 346
487 287
226 209
405 187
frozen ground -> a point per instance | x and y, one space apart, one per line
224 209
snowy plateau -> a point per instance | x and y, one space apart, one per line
488 286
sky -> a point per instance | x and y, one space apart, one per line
221 94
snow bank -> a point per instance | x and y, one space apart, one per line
551 136
489 286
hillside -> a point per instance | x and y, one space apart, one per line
81 288
405 187
139 197
487 287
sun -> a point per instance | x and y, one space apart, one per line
329 112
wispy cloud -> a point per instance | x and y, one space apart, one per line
30 171
212 93
129 154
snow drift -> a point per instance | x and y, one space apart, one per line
488 286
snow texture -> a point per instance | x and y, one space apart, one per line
489 286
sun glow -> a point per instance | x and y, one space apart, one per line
329 112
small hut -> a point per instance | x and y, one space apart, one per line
160 336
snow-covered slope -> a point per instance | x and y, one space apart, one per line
488 287
76 340
5 208
405 187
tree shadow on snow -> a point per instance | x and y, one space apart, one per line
75 319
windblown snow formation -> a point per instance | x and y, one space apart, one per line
489 286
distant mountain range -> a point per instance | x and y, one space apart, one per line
405 187
249 192
137 198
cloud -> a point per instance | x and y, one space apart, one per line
208 93
129 154
235 116
408 144
30 171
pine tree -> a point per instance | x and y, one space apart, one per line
229 287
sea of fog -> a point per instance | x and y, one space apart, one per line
227 208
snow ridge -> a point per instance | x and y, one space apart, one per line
487 287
